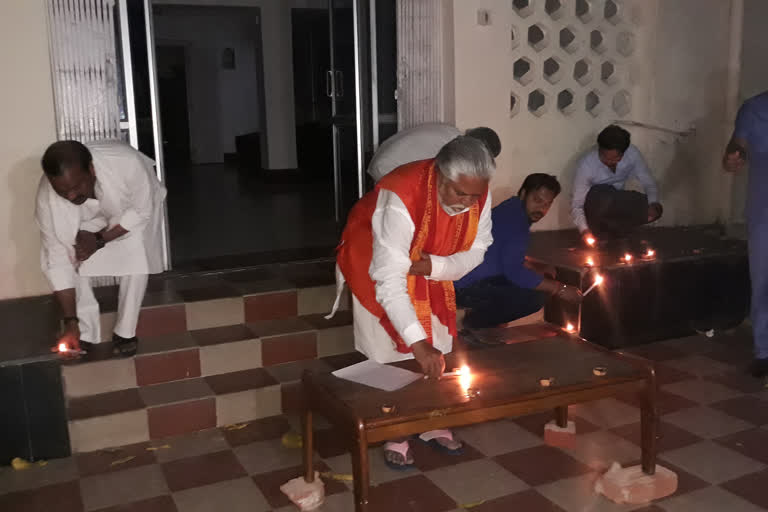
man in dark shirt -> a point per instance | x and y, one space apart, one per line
505 287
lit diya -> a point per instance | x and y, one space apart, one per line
598 281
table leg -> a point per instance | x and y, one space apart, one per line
561 416
360 471
307 443
649 421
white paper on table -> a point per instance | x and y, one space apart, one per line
377 375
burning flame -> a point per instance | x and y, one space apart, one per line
590 262
570 327
628 258
591 240
63 347
599 279
465 378
651 253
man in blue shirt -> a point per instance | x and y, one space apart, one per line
750 142
601 208
505 287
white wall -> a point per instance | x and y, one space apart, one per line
230 95
754 80
754 72
676 77
28 126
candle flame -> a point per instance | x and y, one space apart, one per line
591 241
63 347
464 370
570 327
651 253
590 262
627 257
599 279
465 381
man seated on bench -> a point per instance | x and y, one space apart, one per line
505 286
601 208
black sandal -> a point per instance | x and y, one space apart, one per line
124 347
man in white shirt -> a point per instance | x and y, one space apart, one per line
422 142
99 208
601 208
424 226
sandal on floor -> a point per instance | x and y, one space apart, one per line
124 347
402 449
431 438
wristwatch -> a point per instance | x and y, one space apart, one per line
100 242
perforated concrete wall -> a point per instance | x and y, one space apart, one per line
548 75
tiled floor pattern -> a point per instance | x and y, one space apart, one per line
714 434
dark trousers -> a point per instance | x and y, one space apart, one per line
614 213
495 301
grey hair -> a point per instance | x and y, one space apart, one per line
465 156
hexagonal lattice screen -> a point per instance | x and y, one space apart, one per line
537 102
554 8
537 37
524 8
553 70
566 101
584 10
571 57
521 70
568 40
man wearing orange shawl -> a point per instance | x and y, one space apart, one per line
425 225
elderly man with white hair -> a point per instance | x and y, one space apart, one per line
425 225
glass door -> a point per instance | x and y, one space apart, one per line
344 85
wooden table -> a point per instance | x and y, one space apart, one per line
507 379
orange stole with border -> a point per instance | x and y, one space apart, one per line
435 233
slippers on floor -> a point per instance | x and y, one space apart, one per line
431 438
402 449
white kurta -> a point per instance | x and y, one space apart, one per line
128 193
393 231
417 143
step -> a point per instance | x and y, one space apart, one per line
201 379
175 304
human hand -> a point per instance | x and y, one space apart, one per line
570 294
588 239
70 338
431 360
734 161
86 244
654 211
422 267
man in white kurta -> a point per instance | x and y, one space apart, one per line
100 212
425 225
421 142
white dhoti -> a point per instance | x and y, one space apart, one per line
130 297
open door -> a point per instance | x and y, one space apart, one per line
141 119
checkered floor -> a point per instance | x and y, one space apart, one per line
714 434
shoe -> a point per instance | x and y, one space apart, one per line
125 347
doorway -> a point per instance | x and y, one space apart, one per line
264 123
